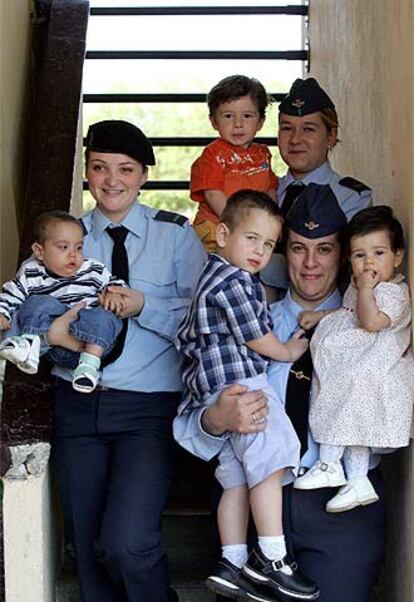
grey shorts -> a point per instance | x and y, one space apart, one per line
251 458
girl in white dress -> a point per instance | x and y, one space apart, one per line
364 368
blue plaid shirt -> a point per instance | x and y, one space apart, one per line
229 309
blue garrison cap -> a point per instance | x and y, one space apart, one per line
316 212
305 97
115 136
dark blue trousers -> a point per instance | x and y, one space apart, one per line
115 460
343 553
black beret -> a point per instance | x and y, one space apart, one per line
305 97
316 212
114 136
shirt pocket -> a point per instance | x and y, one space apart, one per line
157 279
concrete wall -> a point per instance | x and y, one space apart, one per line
363 53
14 70
30 539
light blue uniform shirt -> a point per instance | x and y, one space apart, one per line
285 318
165 262
350 200
187 427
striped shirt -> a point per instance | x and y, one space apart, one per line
33 278
229 310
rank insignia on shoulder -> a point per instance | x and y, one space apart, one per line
169 216
353 184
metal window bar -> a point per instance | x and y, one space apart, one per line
170 98
301 9
274 55
297 55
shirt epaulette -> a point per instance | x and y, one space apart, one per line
169 216
353 184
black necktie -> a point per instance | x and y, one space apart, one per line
297 396
292 191
120 269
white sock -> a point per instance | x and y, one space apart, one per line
356 460
236 553
330 454
274 548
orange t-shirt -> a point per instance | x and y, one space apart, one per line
222 166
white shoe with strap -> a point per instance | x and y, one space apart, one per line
24 351
321 475
357 492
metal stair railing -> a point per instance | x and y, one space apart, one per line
171 141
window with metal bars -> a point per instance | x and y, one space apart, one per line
153 66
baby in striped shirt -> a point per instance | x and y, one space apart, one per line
56 277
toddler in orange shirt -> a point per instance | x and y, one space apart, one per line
237 110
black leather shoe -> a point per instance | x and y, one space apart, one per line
225 581
267 574
256 591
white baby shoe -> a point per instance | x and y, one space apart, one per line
24 351
321 475
357 492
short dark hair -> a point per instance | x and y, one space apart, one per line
234 87
374 219
241 202
49 218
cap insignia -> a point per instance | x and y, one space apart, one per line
311 225
298 103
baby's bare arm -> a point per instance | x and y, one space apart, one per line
370 317
270 346
216 199
309 319
113 302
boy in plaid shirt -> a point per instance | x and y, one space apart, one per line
226 337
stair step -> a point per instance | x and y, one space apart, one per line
190 539
194 593
68 591
192 545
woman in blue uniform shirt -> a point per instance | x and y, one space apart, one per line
113 449
308 131
342 553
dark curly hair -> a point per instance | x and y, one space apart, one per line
234 87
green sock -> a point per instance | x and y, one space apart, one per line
90 360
